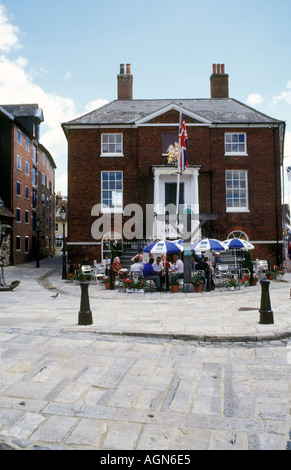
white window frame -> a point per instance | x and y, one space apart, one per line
233 142
27 168
26 191
19 137
27 144
43 179
236 189
19 163
18 211
115 208
113 152
18 185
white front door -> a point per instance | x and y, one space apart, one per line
166 224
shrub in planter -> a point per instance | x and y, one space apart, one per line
174 282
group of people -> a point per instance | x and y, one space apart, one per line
155 270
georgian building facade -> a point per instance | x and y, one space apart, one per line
27 182
122 154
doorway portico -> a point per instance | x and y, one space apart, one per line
165 191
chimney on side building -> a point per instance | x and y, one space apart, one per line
219 82
124 83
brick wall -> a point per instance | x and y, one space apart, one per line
143 148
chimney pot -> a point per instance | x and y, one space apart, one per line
128 69
122 68
214 68
218 68
222 68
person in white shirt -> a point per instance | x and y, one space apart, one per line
136 267
157 266
179 266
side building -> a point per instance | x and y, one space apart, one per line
27 182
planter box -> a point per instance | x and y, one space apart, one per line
135 291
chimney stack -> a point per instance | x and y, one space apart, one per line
124 83
219 82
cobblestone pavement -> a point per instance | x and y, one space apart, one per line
77 390
106 387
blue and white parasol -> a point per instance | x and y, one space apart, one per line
237 244
208 244
162 247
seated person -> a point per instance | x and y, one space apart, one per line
116 267
179 266
202 265
136 267
217 259
85 261
158 268
149 274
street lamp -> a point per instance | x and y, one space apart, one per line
37 250
63 213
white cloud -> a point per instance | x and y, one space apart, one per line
254 99
17 85
8 33
95 104
68 76
287 147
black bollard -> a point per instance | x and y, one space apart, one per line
266 314
85 314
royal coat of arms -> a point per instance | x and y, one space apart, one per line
173 152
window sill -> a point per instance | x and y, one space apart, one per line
236 154
237 210
111 155
112 211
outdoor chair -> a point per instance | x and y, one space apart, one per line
98 273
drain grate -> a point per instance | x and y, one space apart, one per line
245 309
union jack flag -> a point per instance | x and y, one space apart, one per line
183 142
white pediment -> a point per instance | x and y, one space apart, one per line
170 107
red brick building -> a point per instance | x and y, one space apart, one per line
27 181
118 155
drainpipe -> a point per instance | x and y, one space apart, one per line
277 196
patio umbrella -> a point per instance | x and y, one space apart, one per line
208 244
179 243
237 243
162 247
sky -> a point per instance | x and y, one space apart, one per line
65 55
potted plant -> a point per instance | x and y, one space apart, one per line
232 284
106 281
244 282
255 280
270 275
198 282
174 281
132 285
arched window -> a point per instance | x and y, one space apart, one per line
238 234
111 240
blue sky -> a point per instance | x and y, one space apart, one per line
65 55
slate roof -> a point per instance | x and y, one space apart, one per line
218 111
23 110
